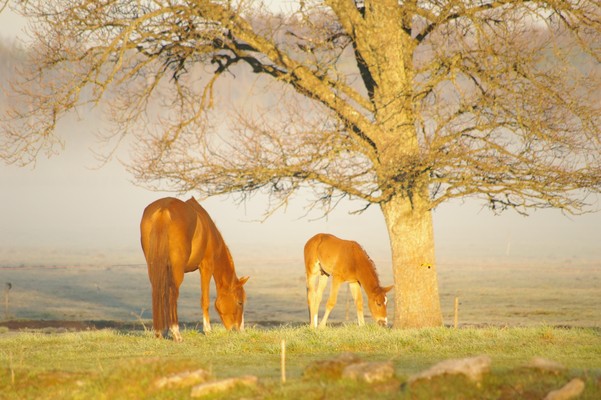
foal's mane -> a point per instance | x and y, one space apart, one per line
371 263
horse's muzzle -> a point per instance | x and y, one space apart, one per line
383 322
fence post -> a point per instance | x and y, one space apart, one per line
456 317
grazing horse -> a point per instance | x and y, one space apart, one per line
179 237
345 261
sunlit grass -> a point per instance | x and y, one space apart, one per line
112 364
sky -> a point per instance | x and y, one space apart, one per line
67 210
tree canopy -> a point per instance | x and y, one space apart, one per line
502 96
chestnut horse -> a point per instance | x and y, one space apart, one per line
345 261
179 237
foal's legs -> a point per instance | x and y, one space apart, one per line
311 293
316 284
331 300
358 297
323 282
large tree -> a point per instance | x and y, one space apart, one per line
402 104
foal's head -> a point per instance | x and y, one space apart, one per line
377 304
230 305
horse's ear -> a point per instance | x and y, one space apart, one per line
243 280
388 288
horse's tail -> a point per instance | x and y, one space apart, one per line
160 274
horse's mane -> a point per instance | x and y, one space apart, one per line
371 263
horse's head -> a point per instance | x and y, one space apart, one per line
230 305
377 305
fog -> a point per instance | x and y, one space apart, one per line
71 210
67 210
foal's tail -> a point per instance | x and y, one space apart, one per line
164 296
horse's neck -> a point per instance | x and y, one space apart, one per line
368 278
223 269
223 264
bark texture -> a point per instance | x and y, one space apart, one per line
411 234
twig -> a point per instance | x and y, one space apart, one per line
139 318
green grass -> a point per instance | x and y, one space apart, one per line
108 364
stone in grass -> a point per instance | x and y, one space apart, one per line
571 390
222 385
473 368
545 365
330 369
369 372
182 379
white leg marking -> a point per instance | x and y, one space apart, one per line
175 333
206 324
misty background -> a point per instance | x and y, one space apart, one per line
70 209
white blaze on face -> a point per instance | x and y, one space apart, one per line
385 300
242 323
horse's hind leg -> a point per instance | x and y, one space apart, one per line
174 328
205 283
312 299
358 297
332 299
177 277
177 337
314 293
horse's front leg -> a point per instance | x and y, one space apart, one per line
205 282
358 298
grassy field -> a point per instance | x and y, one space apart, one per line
511 312
501 293
109 364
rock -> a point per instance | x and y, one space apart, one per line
571 390
222 385
544 364
330 369
369 372
186 378
473 368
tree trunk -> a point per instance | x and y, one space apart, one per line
409 222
